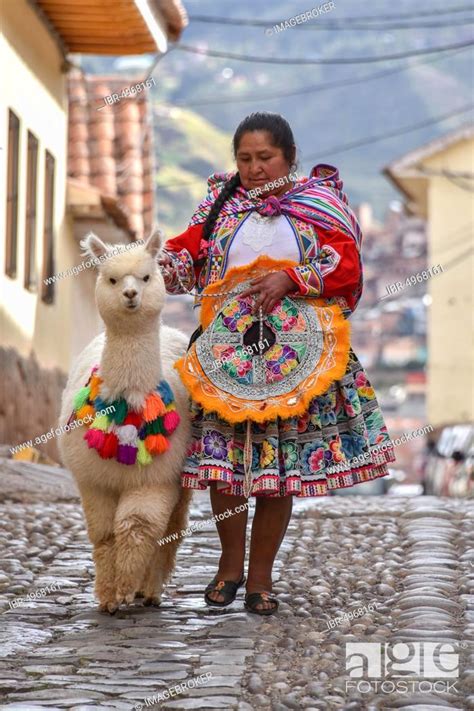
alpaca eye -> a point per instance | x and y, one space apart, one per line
112 280
146 278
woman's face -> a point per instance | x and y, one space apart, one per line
259 162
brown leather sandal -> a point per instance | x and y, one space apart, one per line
256 598
226 588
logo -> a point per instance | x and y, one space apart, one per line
402 666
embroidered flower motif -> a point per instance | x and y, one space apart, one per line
314 456
238 315
352 444
290 454
283 316
215 445
336 451
267 455
239 366
281 360
326 410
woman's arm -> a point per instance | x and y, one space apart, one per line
335 272
177 259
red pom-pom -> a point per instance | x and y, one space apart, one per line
110 446
134 418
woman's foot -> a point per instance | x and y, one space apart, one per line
261 603
221 592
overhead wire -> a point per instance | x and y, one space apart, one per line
317 87
305 61
220 20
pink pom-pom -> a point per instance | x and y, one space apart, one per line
94 438
171 420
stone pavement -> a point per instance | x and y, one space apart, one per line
405 565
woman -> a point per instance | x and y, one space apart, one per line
308 221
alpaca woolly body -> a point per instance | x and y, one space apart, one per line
86 465
128 507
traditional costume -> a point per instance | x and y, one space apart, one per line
288 409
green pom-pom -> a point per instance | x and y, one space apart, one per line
143 456
81 397
120 412
156 427
101 422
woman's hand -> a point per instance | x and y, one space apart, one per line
271 287
164 259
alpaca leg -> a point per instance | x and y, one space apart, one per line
163 562
154 579
141 519
99 509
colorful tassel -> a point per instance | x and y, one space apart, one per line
171 421
121 410
101 422
94 386
156 427
156 444
81 397
154 407
110 446
95 438
144 457
85 411
127 454
127 434
133 418
165 392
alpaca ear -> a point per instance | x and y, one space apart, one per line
154 242
92 246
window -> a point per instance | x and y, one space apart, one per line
30 281
47 290
12 195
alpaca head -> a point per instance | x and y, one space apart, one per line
130 292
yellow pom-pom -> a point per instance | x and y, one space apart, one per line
143 457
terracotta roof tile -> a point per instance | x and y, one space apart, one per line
110 147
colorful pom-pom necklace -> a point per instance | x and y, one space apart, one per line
122 433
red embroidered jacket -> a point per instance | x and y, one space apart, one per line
335 273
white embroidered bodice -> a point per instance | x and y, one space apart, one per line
272 236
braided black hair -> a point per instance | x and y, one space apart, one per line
281 137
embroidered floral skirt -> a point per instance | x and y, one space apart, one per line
340 441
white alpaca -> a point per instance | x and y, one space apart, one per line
128 508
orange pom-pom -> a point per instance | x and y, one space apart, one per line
156 444
94 386
154 407
84 411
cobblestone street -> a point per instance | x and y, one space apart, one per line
411 560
